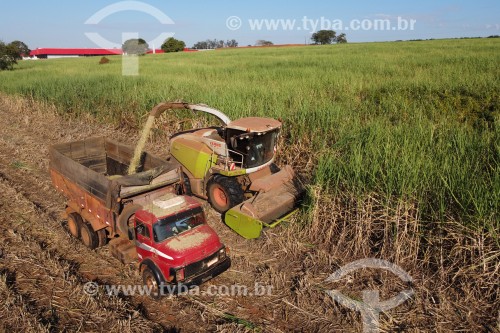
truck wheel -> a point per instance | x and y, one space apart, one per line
74 223
224 193
89 236
150 281
125 220
102 236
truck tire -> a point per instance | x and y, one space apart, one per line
74 224
224 193
88 236
149 279
125 223
102 237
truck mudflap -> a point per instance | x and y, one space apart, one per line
269 207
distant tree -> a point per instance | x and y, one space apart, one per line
262 42
8 56
21 48
173 45
324 37
341 39
214 44
135 47
231 43
201 45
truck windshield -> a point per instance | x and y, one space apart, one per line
177 224
257 148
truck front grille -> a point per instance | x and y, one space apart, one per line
200 266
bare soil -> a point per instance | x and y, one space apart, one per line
43 269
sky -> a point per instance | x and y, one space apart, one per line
104 23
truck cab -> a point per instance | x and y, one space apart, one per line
175 245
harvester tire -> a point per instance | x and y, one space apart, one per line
274 168
224 193
125 223
187 185
89 236
74 224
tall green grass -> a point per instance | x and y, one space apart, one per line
414 121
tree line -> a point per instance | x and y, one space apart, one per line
215 44
140 46
14 51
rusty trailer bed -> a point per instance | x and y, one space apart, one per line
98 166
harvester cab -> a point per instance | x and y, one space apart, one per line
232 166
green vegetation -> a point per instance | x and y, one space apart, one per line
135 46
173 45
413 121
324 37
11 53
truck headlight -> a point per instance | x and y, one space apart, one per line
179 275
222 253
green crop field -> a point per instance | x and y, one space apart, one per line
405 121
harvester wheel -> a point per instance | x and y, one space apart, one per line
274 168
125 220
224 193
187 185
74 223
89 236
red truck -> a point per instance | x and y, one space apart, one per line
145 217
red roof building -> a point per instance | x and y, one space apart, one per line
44 53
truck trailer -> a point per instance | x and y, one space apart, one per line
145 217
